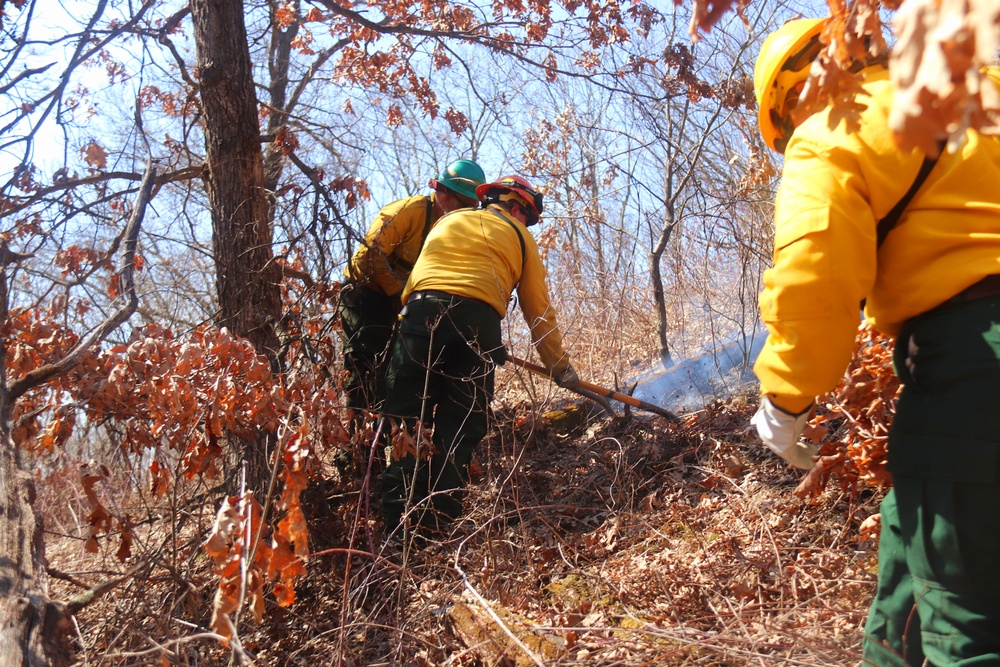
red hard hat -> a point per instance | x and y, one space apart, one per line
518 186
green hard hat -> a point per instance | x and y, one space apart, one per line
463 177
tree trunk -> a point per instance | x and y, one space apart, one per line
656 276
247 279
279 59
33 628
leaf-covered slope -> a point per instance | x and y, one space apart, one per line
620 543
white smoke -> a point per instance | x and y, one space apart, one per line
720 372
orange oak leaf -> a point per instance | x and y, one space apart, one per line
99 520
125 547
95 155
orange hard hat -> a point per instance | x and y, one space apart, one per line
530 197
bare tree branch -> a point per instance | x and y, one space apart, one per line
48 371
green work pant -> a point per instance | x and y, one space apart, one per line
367 319
938 596
441 372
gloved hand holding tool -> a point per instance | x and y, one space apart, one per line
780 431
568 379
592 391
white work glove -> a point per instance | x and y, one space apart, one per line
780 431
568 379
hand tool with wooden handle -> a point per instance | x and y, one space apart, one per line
600 391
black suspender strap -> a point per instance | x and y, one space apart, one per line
520 238
427 221
524 250
886 224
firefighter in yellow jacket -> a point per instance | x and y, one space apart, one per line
378 271
440 379
934 285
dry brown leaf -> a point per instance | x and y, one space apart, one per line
95 155
226 530
284 595
221 624
404 442
237 523
812 484
856 417
871 527
125 547
936 69
706 13
159 479
99 520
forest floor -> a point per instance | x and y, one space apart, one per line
586 541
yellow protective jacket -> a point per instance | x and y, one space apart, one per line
476 253
392 244
835 187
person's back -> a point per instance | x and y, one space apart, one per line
473 253
384 259
948 235
485 254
